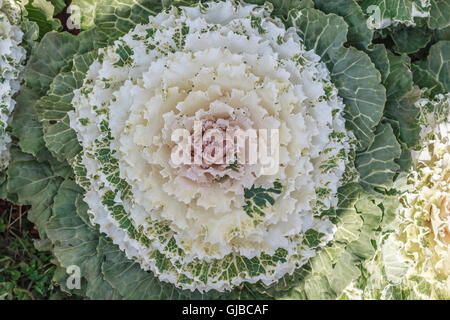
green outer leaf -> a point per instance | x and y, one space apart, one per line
61 169
98 287
76 243
379 56
352 72
410 39
47 60
358 82
425 79
53 55
317 287
376 165
395 268
399 81
59 6
404 112
136 284
30 35
322 33
439 14
61 277
441 34
35 184
82 209
339 263
350 222
400 109
42 12
4 192
372 216
282 8
49 57
60 139
434 72
359 35
405 159
117 17
26 126
344 271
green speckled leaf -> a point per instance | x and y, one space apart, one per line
134 283
52 108
48 58
282 8
117 17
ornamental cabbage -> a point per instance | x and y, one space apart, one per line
340 110
203 226
426 208
11 66
414 261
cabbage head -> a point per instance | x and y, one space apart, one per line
92 148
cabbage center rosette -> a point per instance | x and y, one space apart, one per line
203 226
12 57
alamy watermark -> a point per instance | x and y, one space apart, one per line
74 279
374 20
